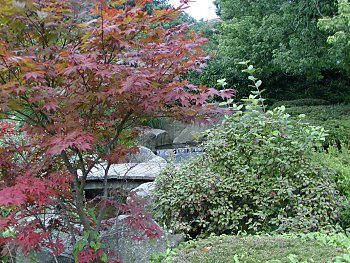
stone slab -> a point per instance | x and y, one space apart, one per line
147 171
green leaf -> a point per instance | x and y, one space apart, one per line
104 257
275 133
243 62
258 83
222 82
252 78
91 212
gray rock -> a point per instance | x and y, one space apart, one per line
144 191
191 134
43 256
173 127
144 155
119 240
158 159
152 138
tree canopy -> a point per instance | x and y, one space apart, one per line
77 90
282 39
339 36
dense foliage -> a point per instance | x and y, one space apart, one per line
313 247
338 28
256 175
334 118
76 77
283 39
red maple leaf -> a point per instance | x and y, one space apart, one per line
50 106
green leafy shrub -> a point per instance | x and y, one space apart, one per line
256 175
339 162
300 102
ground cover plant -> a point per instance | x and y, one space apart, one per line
250 249
78 77
334 118
338 160
301 102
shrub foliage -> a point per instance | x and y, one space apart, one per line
334 118
257 175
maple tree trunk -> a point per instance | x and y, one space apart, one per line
79 192
79 201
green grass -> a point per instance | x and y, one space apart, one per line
255 249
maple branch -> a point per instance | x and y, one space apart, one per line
20 41
81 74
11 71
111 145
36 215
30 105
67 221
10 253
30 118
111 56
105 196
81 160
102 35
44 40
166 69
2 79
69 166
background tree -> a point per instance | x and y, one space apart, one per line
78 89
284 42
338 28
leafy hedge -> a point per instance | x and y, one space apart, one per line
339 162
256 175
301 102
334 118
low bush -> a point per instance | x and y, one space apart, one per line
274 249
339 162
300 102
257 175
334 118
321 113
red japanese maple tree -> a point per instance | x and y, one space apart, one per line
77 76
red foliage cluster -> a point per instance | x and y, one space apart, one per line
139 219
78 81
6 128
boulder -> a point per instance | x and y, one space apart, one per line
144 191
153 138
119 240
173 127
191 134
144 155
43 256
